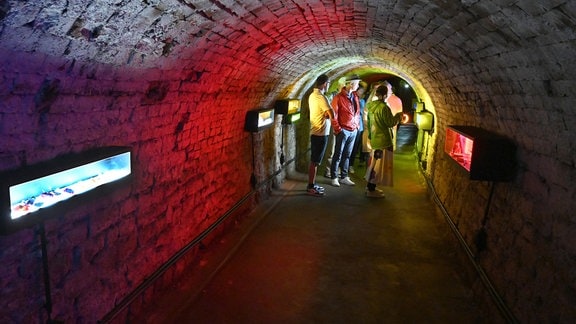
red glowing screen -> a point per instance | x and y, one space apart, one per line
459 148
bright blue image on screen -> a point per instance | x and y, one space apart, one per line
31 196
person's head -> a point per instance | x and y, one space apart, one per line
352 82
360 91
322 82
382 92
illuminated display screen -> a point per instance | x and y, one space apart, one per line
293 106
424 120
265 118
287 106
483 154
459 148
289 119
31 196
259 119
418 106
294 117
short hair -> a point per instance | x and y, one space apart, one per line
382 91
321 79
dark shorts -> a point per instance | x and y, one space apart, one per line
317 148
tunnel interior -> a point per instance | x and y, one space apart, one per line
173 80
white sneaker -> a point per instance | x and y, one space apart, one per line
335 182
351 170
347 181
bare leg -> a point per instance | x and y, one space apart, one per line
312 173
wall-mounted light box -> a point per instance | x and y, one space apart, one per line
290 108
418 106
290 119
34 193
484 155
259 119
424 120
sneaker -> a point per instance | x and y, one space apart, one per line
315 192
315 186
347 181
351 170
327 174
375 194
335 182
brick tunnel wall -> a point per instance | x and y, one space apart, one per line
174 80
190 166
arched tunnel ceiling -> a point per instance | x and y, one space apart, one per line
287 43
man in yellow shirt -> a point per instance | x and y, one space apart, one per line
320 115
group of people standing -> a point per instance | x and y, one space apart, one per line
358 126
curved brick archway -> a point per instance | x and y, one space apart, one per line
174 79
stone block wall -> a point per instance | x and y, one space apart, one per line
192 161
529 223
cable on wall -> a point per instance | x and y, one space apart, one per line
481 238
282 145
500 304
46 273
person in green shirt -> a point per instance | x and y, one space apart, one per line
380 124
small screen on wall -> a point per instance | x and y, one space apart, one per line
459 148
265 118
31 196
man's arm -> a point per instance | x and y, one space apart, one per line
334 115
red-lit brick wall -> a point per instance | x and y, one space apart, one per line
192 161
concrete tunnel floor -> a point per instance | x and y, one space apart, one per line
342 258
